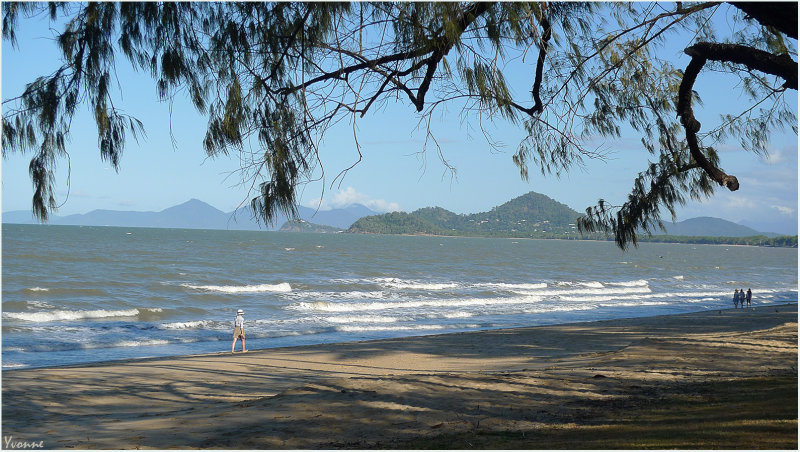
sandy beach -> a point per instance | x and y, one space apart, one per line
382 394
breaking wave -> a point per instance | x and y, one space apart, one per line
59 315
282 287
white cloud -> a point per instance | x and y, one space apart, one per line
738 202
349 196
318 203
774 157
784 210
783 155
380 205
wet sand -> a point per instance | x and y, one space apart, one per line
379 394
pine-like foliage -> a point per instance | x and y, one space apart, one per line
272 78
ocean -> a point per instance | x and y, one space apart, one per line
74 294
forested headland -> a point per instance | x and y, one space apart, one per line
532 215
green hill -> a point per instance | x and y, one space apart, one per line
395 223
306 226
530 215
534 215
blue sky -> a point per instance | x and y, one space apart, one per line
169 166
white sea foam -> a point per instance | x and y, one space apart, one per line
458 315
60 315
396 283
593 284
350 281
671 297
13 349
12 365
322 306
550 308
636 304
627 293
257 288
350 295
604 291
593 298
361 319
361 328
636 283
143 343
510 286
187 325
38 289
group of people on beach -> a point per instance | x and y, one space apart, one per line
740 297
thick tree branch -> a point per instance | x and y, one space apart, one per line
443 48
692 125
779 65
538 107
781 15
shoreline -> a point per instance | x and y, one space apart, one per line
642 239
384 393
378 340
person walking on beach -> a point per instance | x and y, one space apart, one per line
238 330
736 298
749 296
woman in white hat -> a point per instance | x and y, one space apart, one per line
238 330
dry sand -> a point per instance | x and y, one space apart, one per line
378 394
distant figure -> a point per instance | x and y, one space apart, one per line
238 330
741 298
736 298
749 296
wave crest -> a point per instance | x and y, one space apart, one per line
256 288
637 283
396 283
61 315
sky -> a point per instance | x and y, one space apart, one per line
169 166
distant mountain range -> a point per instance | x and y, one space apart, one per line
529 215
712 227
196 214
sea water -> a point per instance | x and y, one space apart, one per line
75 294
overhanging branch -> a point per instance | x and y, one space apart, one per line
692 125
779 65
537 83
781 15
